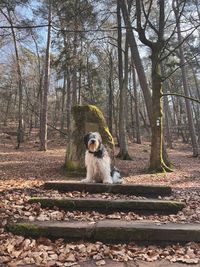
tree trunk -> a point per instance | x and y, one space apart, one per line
156 161
7 107
20 131
198 96
137 60
136 105
63 106
143 82
110 104
43 140
166 110
123 154
80 74
185 82
74 71
68 108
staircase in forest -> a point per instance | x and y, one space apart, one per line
111 230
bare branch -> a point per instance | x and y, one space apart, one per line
24 27
188 97
147 17
172 51
186 62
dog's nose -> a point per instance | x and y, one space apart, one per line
92 141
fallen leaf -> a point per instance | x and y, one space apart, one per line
101 262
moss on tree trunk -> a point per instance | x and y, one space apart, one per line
157 163
85 118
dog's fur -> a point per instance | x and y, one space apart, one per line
98 162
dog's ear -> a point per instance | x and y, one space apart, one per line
86 139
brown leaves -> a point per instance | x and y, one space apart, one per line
20 250
43 241
101 262
20 173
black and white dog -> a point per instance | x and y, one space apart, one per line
98 162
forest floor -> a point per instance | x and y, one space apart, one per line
23 171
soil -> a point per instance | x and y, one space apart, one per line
31 164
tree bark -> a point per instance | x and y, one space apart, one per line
166 110
123 153
74 71
110 85
63 106
198 96
136 105
137 60
156 161
158 151
68 108
43 140
20 131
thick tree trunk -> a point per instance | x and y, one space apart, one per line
43 140
156 126
166 110
185 83
157 163
142 77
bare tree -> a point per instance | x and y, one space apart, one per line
43 137
20 132
123 154
136 104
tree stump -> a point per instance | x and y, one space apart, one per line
85 118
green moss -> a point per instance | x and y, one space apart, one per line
85 118
69 165
90 113
50 203
26 229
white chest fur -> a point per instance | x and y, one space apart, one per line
97 168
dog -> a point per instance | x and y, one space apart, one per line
98 162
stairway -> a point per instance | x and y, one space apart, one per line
110 231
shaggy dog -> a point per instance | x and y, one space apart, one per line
98 162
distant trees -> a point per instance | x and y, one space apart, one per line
175 5
105 58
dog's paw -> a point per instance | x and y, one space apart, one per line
86 180
119 181
107 181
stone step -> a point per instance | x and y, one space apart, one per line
126 189
147 206
110 231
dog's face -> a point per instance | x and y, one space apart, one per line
92 141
